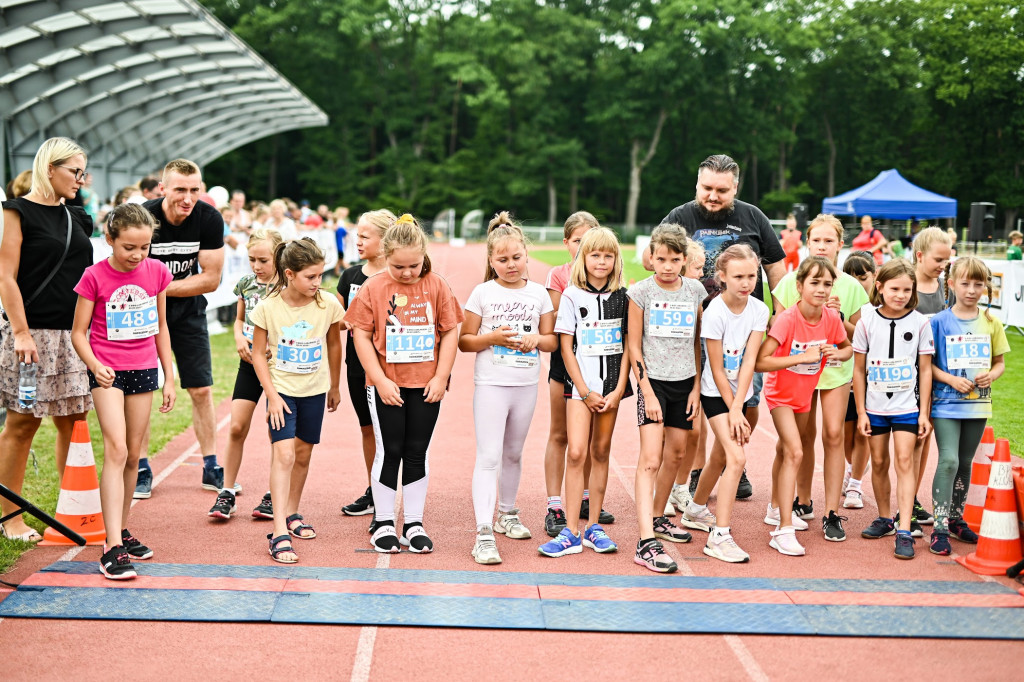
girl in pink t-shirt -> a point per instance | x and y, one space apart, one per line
793 356
120 330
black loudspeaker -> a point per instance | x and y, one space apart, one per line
982 226
800 213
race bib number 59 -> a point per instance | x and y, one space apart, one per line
674 319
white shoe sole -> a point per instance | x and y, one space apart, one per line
798 523
672 568
715 554
142 496
590 545
669 538
525 534
366 511
855 503
578 549
775 545
670 510
694 523
487 561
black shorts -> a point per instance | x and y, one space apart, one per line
673 396
247 384
851 409
357 394
713 405
557 370
131 381
190 340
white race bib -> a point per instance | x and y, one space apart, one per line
508 357
603 337
732 358
299 356
247 330
675 319
969 351
409 344
799 347
135 320
353 289
833 363
891 375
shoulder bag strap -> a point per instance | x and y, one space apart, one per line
67 246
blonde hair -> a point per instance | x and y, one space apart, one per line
265 234
734 252
1015 235
53 152
971 268
952 234
380 219
181 167
501 233
578 220
929 237
22 184
405 233
897 267
827 220
597 239
671 236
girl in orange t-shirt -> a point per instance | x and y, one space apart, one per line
405 323
791 243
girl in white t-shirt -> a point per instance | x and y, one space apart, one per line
509 319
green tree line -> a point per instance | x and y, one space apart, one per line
551 106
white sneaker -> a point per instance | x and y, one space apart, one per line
853 499
669 509
725 548
703 520
784 540
846 477
485 550
771 517
509 525
680 496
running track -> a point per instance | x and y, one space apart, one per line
174 523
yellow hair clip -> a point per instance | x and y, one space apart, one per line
406 218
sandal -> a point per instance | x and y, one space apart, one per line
282 544
31 535
296 530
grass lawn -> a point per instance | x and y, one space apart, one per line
41 486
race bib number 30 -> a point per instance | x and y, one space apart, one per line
299 356
675 319
409 344
134 320
799 347
969 351
891 375
603 337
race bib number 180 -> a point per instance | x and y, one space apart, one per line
969 351
135 320
409 344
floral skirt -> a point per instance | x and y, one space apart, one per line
62 383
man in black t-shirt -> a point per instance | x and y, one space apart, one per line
190 237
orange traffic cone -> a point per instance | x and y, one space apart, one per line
979 480
999 539
1018 486
78 506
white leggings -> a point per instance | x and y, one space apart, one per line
502 415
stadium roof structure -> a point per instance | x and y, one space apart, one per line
136 83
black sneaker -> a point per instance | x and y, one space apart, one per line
915 528
744 489
694 477
832 526
265 509
213 478
604 518
922 516
804 511
554 522
904 546
116 564
224 507
416 539
373 525
385 539
143 485
363 505
879 528
135 549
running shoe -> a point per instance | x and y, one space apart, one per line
373 525
680 496
744 489
922 515
416 539
904 546
135 549
650 554
703 520
854 499
605 517
915 528
554 522
385 538
510 526
771 517
846 478
694 478
879 528
564 543
669 509
724 548
224 507
596 539
804 511
485 550
116 564
785 541
959 529
362 506
832 527
213 478
265 509
143 485
666 530
940 544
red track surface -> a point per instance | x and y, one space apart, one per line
174 523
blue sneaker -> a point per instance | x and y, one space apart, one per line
959 529
213 478
564 543
879 528
904 546
940 544
596 539
143 485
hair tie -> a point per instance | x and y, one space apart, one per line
405 218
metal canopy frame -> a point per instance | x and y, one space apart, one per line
136 83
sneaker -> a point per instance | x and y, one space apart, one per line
116 564
915 528
485 550
804 511
694 478
603 518
650 554
723 547
510 526
832 527
143 486
363 505
854 499
846 478
265 509
959 529
135 549
666 530
771 517
680 496
596 539
744 489
904 546
669 509
922 515
940 544
373 525
224 507
785 541
385 538
703 520
879 528
237 488
554 522
416 539
213 478
564 543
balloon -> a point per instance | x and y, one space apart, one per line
219 196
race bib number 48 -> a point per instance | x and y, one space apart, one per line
134 320
409 344
674 319
603 337
969 351
891 375
299 356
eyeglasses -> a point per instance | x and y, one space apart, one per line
80 174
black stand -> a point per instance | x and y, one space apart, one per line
26 506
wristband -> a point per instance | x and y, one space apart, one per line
587 396
842 318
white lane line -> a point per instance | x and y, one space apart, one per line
746 659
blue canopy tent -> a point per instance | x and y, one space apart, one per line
891 196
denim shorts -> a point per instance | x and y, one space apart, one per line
755 399
304 422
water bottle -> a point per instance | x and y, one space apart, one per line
26 385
